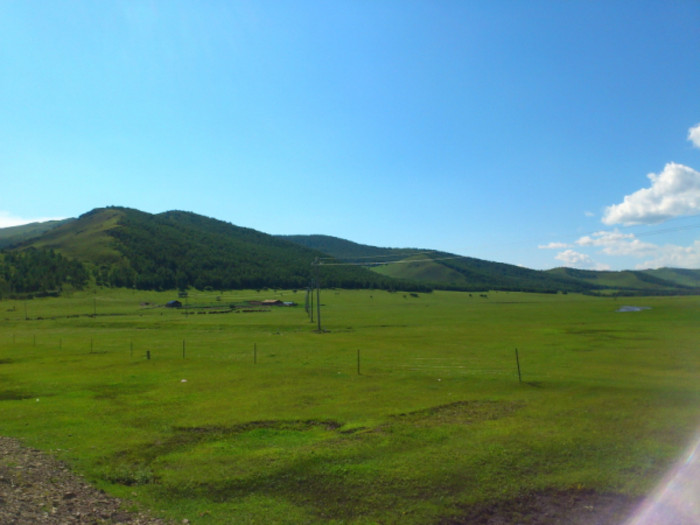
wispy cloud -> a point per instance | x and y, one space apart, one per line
673 192
617 243
574 259
674 256
694 135
554 246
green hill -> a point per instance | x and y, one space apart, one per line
18 234
348 250
123 247
443 270
86 239
449 271
129 248
677 276
631 282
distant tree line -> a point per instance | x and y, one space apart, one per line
39 271
43 271
486 275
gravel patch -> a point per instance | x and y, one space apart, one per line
36 488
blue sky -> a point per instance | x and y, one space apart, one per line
539 133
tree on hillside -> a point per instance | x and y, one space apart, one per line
39 271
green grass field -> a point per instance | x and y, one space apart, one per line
252 417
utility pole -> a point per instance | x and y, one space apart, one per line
310 301
317 263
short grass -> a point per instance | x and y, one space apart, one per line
422 270
88 242
405 410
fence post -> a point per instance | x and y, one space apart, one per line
517 362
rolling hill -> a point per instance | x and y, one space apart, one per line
443 270
660 281
123 247
449 271
17 234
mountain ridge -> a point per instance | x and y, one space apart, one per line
451 271
125 247
16 234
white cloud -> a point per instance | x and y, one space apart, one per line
574 259
673 192
694 135
674 256
8 220
553 246
617 243
626 247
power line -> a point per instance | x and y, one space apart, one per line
669 230
408 252
375 259
402 261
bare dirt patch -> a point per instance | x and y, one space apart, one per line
35 488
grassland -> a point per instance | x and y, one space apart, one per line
251 417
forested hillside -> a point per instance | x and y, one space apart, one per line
180 249
122 247
443 270
454 272
39 271
350 251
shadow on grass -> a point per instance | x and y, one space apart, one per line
334 474
571 507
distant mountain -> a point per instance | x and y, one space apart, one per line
129 248
677 276
449 271
661 281
18 234
123 247
348 250
441 269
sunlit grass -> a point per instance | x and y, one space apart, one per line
263 419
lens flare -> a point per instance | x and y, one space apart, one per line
676 501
